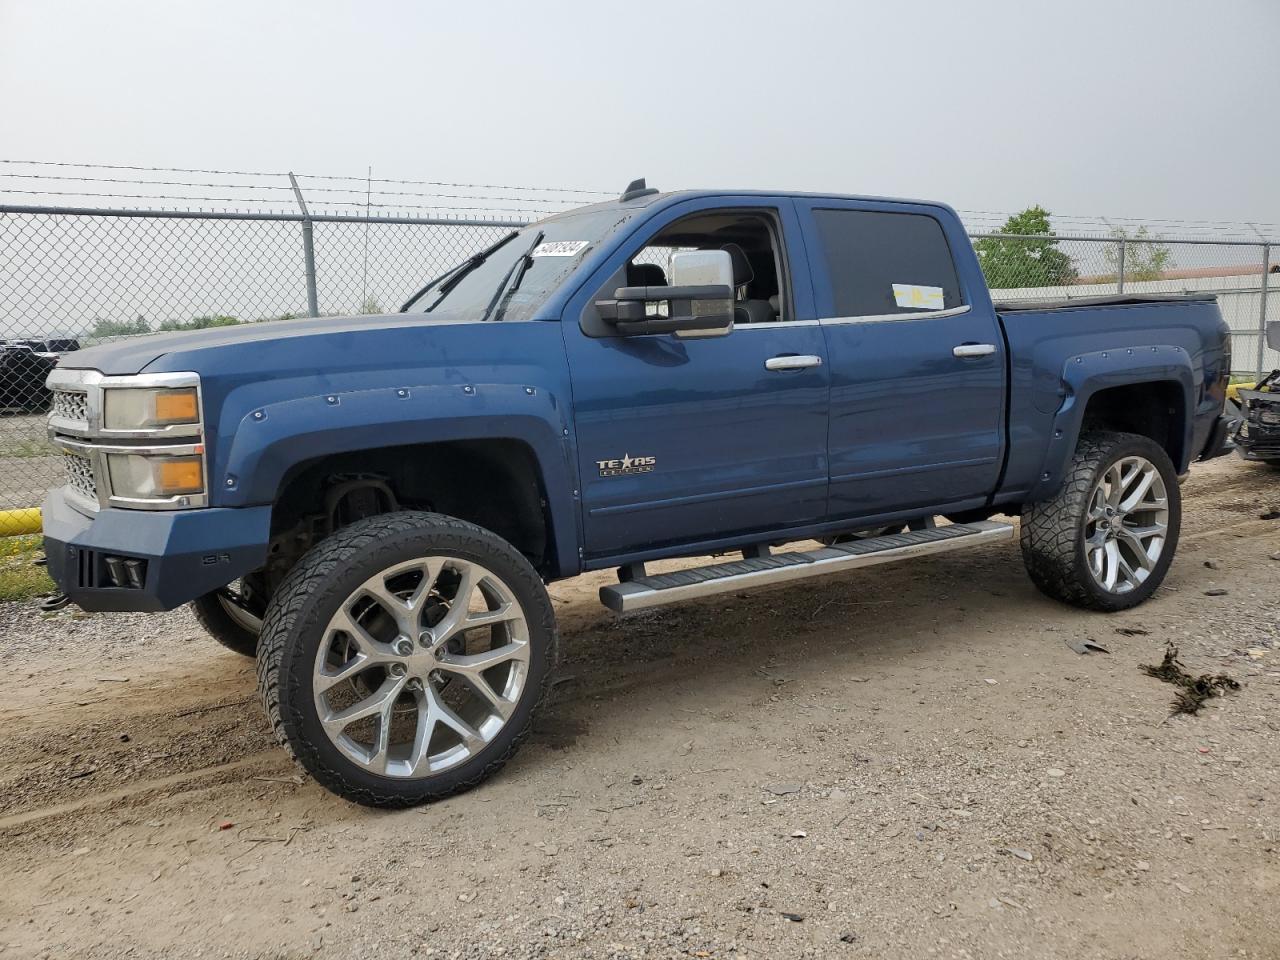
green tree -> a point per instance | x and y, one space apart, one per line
1145 257
200 323
1034 262
103 328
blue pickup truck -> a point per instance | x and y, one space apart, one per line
373 505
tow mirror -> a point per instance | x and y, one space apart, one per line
699 300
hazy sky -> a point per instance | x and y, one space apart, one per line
1141 108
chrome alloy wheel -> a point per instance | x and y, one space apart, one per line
421 666
1126 524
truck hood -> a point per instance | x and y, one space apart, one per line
133 354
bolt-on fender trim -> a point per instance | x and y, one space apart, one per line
1085 374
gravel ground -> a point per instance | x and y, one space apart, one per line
906 762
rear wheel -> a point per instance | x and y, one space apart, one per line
1106 540
403 658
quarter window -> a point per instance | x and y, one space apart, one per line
886 263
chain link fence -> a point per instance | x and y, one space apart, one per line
71 277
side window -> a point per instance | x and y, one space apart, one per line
752 240
886 263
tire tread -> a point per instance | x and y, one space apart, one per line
219 625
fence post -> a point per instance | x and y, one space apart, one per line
308 250
1120 269
1262 310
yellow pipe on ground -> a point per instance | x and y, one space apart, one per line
1233 391
14 523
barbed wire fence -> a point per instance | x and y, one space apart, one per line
82 261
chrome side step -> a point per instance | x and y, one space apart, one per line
663 588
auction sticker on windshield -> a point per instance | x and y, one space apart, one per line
560 248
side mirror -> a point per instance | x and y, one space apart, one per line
700 300
1273 334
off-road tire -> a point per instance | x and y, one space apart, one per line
213 616
303 604
1052 534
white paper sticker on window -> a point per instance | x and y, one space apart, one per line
915 297
560 248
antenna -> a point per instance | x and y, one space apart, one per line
636 188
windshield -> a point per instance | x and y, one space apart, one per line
565 241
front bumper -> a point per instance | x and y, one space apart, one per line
1257 435
183 554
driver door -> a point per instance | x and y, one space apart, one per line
692 441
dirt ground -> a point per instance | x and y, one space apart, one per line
905 762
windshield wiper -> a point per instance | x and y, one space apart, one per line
453 276
511 281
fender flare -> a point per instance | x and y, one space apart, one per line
1085 374
271 439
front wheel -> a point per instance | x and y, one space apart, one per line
402 659
1106 540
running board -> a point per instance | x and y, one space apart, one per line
664 588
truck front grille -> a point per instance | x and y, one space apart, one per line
1268 417
71 405
79 474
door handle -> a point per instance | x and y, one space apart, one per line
968 351
792 362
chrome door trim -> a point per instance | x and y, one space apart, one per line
883 317
775 324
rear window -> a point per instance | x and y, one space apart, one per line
886 263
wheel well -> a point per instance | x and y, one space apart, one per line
495 484
1153 410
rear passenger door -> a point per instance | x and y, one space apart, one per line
917 359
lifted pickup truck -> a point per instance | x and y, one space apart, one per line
372 505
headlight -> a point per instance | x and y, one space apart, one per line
148 409
154 477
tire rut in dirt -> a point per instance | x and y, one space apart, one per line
56 766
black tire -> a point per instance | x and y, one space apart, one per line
299 610
1053 531
220 625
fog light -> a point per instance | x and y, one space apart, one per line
128 572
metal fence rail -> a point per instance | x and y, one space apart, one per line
72 277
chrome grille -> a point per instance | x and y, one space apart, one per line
79 474
71 405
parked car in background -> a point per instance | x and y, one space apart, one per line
372 505
24 366
1257 435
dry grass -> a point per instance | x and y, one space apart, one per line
20 578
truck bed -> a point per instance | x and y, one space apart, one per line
1116 300
1052 345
